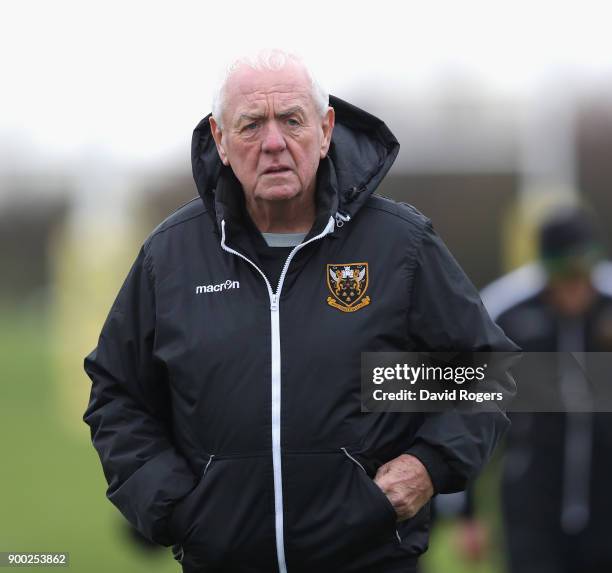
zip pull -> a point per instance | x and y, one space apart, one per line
341 219
274 302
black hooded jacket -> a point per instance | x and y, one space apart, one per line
226 411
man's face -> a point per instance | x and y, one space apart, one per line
571 295
272 136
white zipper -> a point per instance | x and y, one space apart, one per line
210 459
276 383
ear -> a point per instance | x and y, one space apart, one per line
217 134
328 127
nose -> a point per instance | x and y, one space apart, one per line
273 139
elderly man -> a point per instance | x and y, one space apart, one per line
225 403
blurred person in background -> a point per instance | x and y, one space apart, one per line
255 286
557 466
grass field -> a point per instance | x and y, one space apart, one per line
53 490
52 494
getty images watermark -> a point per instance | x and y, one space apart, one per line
486 381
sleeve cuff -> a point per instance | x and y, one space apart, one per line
440 472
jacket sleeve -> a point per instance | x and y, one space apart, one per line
446 314
128 412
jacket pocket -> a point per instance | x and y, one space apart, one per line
228 519
179 525
334 512
377 491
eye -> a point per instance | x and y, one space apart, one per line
292 122
251 126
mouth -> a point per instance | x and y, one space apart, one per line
276 170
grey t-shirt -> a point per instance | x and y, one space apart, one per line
283 239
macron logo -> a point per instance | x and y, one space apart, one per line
228 284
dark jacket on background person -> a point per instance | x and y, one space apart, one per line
226 411
557 467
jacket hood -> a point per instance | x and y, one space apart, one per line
362 151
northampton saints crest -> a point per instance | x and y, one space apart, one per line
348 284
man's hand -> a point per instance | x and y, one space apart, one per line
405 481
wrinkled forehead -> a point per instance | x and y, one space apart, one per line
248 89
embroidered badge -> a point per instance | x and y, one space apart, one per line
348 284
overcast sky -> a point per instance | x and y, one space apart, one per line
131 79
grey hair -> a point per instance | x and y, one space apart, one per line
272 59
